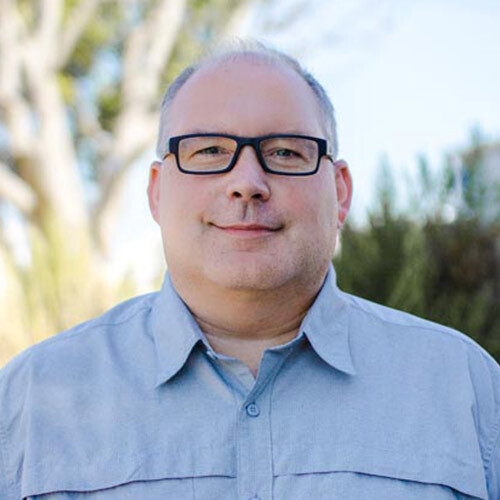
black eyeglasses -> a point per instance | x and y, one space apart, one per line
281 154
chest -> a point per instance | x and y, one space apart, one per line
321 435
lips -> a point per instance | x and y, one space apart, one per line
248 229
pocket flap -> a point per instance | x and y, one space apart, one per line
172 467
466 478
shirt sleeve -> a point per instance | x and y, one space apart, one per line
493 467
4 493
12 401
485 377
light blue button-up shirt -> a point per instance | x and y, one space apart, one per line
365 403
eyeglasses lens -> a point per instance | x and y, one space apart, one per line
290 154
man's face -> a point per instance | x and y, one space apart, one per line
247 229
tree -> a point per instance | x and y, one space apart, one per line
439 260
80 83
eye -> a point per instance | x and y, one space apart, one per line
210 150
285 153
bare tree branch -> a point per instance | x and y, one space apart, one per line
117 166
47 32
12 101
148 48
146 52
162 29
77 22
56 161
9 60
17 118
51 161
29 95
9 43
90 127
16 191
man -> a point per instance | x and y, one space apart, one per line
250 375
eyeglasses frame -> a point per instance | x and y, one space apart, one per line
173 148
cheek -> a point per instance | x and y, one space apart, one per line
181 201
319 204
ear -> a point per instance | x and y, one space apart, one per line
154 189
343 182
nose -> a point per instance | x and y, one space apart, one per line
247 180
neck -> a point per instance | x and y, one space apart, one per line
244 323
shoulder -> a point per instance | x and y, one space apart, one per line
71 354
112 322
460 374
385 321
424 340
54 383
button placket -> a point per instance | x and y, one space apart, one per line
255 461
254 446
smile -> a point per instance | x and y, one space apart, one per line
247 230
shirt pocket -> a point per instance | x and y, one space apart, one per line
358 473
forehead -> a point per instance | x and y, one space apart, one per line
246 97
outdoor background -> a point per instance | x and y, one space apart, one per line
416 86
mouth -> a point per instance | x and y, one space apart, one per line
247 230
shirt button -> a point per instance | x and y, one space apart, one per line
253 411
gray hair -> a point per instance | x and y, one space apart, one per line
257 51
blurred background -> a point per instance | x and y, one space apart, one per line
416 86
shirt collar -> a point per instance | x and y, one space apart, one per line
326 326
176 332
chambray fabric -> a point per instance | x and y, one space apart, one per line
365 403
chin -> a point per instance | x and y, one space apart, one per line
251 275
270 272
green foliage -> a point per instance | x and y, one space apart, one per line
444 270
103 33
371 258
67 87
109 105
